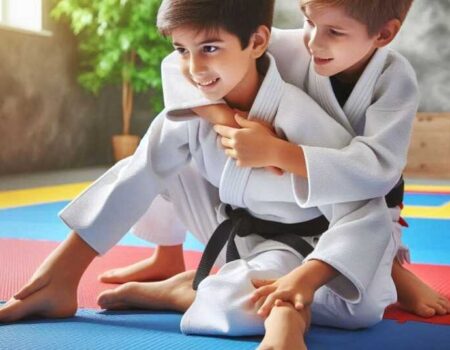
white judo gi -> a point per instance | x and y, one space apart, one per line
378 114
358 243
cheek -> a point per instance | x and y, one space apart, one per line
306 37
184 68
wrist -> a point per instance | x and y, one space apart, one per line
289 157
314 274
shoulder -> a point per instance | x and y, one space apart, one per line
397 85
290 53
297 101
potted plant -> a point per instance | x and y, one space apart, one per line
119 44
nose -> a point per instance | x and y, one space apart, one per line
315 42
196 65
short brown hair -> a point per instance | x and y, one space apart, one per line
373 13
239 17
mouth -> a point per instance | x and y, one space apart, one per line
322 61
207 84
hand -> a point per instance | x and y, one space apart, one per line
250 145
220 114
284 290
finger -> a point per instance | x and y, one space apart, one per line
261 282
252 124
298 302
280 303
30 288
231 153
226 131
226 142
241 113
262 292
275 170
243 122
268 304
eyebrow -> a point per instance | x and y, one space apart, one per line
206 41
330 25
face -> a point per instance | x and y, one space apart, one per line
338 44
215 63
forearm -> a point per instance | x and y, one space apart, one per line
288 156
219 114
314 274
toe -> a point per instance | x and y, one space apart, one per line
440 310
107 297
425 311
445 303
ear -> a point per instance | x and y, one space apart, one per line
260 41
387 33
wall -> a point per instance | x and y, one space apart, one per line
424 40
47 121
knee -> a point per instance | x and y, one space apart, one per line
230 312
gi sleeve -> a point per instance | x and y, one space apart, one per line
105 211
179 94
371 164
355 245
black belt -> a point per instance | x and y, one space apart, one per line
241 223
395 197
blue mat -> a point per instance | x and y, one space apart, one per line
160 330
41 222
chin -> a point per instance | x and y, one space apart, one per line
212 96
325 72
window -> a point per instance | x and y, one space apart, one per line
22 14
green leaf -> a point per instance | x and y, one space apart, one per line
107 31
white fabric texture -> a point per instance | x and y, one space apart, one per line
378 114
299 119
160 224
359 231
225 297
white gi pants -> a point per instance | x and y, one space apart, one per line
225 296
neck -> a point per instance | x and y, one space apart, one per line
351 75
244 94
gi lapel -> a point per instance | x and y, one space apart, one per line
234 179
350 117
363 92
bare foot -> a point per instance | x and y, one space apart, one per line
286 328
166 261
175 294
417 297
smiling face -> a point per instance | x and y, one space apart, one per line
216 64
339 45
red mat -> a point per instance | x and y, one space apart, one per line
19 259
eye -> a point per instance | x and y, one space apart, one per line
309 22
209 49
181 50
336 33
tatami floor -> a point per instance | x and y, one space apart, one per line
30 229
